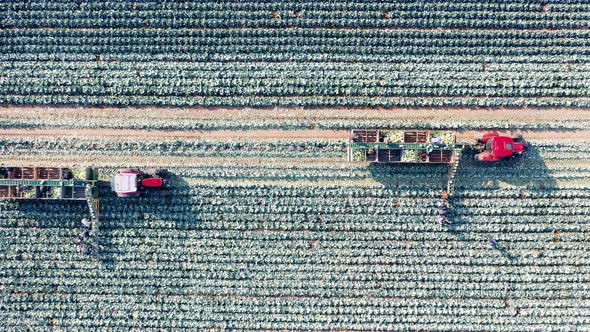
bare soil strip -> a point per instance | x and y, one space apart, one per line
110 113
261 135
167 161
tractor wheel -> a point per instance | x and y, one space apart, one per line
517 137
161 172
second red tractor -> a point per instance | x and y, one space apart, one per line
132 182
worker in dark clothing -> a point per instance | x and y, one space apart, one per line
441 208
84 237
4 172
493 243
443 213
441 220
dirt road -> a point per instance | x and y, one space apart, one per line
261 135
110 114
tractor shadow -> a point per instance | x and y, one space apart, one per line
129 225
515 179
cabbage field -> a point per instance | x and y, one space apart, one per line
302 240
268 226
306 53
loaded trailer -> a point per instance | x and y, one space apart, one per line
431 147
47 183
52 183
407 147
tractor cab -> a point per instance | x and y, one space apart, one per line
494 147
132 182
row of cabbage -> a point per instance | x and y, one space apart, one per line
323 58
157 146
385 85
172 147
291 101
297 41
308 14
160 82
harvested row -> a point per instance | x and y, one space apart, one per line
173 121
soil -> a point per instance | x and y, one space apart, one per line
501 114
273 134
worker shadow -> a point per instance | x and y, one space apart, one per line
130 226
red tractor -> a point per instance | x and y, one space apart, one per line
132 182
495 147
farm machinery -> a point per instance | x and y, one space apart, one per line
76 184
132 182
432 147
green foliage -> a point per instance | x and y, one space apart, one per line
448 137
277 247
359 155
411 155
308 54
393 136
55 192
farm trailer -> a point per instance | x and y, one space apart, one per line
430 147
52 183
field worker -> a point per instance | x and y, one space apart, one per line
436 140
441 220
87 223
84 236
443 211
493 244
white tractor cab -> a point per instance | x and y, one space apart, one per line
132 182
